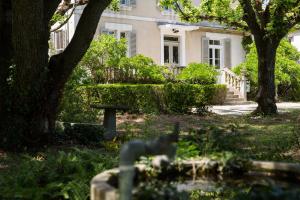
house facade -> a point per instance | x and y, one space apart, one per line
159 34
295 39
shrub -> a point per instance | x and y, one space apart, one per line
79 133
72 108
141 69
287 71
54 175
179 98
196 73
104 54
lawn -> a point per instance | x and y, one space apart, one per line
64 172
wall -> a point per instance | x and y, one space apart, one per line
237 52
148 39
296 40
194 46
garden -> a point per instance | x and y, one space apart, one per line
168 144
157 100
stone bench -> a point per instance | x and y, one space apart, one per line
109 121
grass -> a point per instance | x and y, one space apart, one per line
271 138
65 172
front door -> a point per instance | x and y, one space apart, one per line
215 52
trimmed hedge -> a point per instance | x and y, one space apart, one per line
79 133
152 98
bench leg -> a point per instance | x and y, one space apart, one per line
109 124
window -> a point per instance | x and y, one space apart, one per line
215 53
60 40
125 2
171 50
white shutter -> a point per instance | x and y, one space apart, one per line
132 44
205 50
227 53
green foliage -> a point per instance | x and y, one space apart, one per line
140 97
72 108
146 98
56 175
141 69
287 71
181 98
106 62
196 73
105 52
82 134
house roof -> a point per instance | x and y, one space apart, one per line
203 24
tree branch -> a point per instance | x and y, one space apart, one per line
209 18
67 5
50 7
62 65
64 22
250 17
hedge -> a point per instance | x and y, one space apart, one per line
78 133
153 98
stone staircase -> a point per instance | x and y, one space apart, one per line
233 99
236 86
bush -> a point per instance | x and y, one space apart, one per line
141 69
287 71
54 175
79 133
178 98
196 73
72 108
104 54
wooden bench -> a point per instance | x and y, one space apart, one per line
109 121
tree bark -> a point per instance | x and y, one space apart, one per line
266 97
31 84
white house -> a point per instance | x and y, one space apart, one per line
159 34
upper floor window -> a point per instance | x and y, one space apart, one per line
125 2
59 40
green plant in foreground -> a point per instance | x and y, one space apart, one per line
54 175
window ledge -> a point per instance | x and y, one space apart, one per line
168 13
126 7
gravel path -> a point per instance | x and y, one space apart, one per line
248 108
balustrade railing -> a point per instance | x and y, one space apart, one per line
235 83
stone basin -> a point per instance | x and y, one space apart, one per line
205 174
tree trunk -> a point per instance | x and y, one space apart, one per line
266 97
31 85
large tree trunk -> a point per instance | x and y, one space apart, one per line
26 119
31 86
266 97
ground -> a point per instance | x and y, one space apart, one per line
271 138
248 108
65 171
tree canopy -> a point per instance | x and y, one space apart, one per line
274 17
269 21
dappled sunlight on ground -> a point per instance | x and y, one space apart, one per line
270 138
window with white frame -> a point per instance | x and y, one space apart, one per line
171 50
215 52
60 40
125 2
